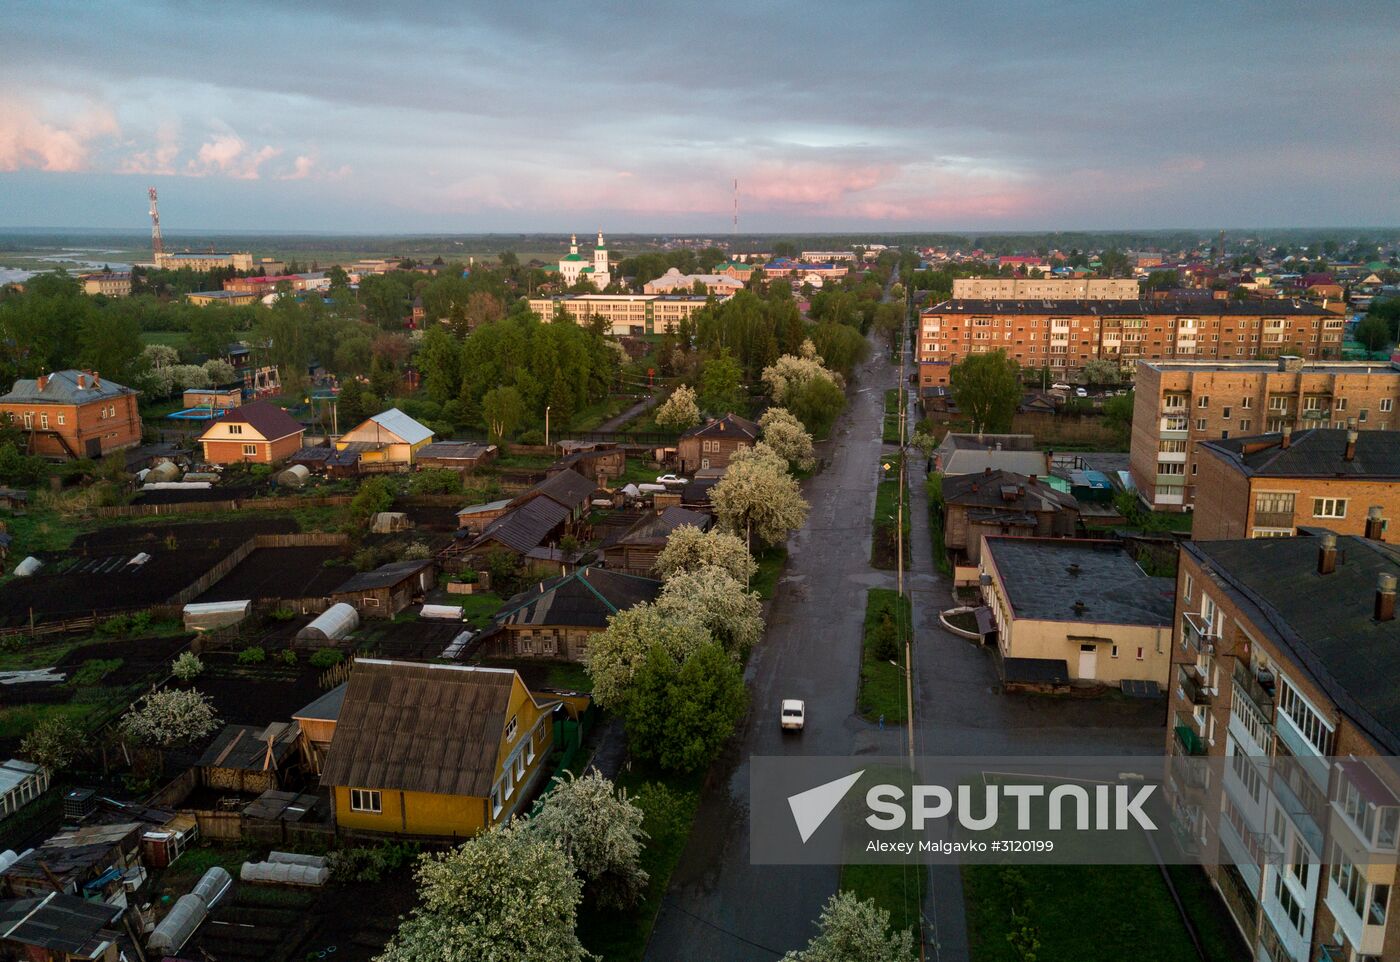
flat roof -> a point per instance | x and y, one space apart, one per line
1271 367
1132 308
1044 578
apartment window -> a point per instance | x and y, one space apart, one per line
1340 404
1171 467
1298 865
28 420
1203 401
365 800
510 730
44 421
1171 447
1347 879
62 420
1248 775
1386 404
1245 425
1307 721
1278 402
1361 415
1140 653
1247 403
250 449
1189 588
1200 424
1113 651
1290 905
1329 507
235 429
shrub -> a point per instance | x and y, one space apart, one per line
885 641
187 666
371 864
52 743
115 625
417 551
252 656
287 656
535 436
139 622
327 658
282 614
443 481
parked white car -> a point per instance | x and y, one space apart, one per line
794 714
671 479
1081 392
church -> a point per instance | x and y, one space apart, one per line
575 266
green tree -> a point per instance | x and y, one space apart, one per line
52 743
1100 370
1373 332
374 496
722 386
615 654
680 713
1388 310
757 497
440 361
690 549
504 409
1118 415
816 403
987 387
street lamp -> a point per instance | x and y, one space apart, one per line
546 425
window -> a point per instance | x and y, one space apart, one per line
1171 467
511 729
62 419
1113 651
495 802
1245 425
1189 588
1290 905
1140 652
1200 424
43 421
1307 721
1340 404
520 767
1387 404
530 750
1299 865
365 800
1329 507
1225 414
235 429
1246 403
250 449
1203 401
1361 415
1347 879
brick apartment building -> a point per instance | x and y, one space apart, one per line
1266 487
1178 403
73 414
1064 335
1284 660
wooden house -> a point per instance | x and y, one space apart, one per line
556 618
634 551
712 444
388 589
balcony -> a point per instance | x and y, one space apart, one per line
1273 519
1188 741
1191 777
1197 633
1317 414
1193 686
1258 692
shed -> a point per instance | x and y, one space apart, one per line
333 624
206 616
293 477
387 522
388 589
248 758
59 926
317 724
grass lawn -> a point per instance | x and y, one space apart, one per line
477 609
524 462
191 866
882 539
669 803
569 676
934 486
1062 897
770 566
176 339
881 683
891 428
16 721
898 889
636 471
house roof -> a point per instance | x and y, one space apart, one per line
325 708
62 388
526 526
585 598
568 488
420 728
266 418
1005 491
1045 577
455 450
385 576
730 426
1326 621
400 425
245 747
58 922
1314 453
484 508
654 528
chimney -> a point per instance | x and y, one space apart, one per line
1375 523
1073 568
1327 554
987 470
96 379
1385 597
1080 607
82 381
1350 453
1287 436
41 382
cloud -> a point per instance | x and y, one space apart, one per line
228 154
160 159
28 141
302 168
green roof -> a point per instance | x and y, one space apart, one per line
586 270
573 257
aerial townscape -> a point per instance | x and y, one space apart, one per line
432 508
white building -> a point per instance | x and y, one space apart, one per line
575 266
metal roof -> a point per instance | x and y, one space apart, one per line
58 922
526 526
585 598
325 708
385 576
62 388
408 430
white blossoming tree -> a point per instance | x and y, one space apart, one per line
710 596
616 653
788 437
506 895
855 930
793 370
680 411
757 497
171 716
601 832
187 666
688 549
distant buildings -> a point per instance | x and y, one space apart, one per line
230 298
626 314
202 261
73 414
1268 486
1285 660
1063 336
575 266
674 282
262 286
107 283
959 454
1045 288
786 267
1178 403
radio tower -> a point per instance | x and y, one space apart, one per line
157 246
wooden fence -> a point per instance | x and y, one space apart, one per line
233 504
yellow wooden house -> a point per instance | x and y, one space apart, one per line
440 750
388 438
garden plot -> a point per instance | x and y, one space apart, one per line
305 572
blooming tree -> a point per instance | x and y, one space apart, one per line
601 832
855 930
680 410
711 596
615 654
791 370
508 895
171 716
187 666
688 548
758 497
52 743
786 435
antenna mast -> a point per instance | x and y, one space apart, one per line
157 246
